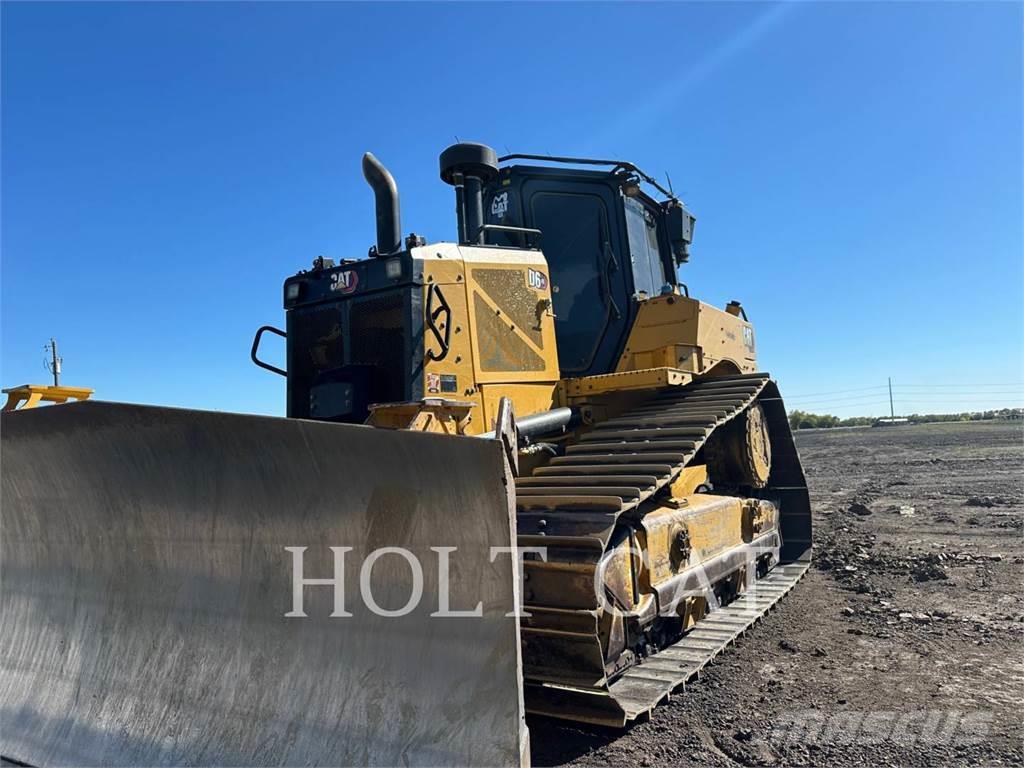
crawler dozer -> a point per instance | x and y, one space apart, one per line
174 581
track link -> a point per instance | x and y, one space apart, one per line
570 507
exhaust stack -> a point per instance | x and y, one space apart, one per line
467 167
385 192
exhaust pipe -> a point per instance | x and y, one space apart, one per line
385 192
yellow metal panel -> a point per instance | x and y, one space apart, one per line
699 527
503 345
662 321
680 332
442 263
724 336
499 305
649 378
526 399
710 525
30 395
453 376
688 480
431 414
509 297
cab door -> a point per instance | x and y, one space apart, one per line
581 241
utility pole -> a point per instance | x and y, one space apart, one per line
53 364
892 411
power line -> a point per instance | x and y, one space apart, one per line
932 394
995 398
943 395
897 387
878 393
836 392
879 408
951 388
965 384
939 396
880 405
874 401
835 406
968 400
835 399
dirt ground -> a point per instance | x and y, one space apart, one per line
901 646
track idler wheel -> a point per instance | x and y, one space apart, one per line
739 452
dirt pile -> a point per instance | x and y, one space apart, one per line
902 646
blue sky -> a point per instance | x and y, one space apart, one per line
856 171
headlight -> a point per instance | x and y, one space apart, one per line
291 292
393 268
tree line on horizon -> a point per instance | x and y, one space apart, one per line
805 420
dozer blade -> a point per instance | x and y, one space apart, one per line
145 587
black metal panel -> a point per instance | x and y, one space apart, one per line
316 343
377 337
786 484
355 336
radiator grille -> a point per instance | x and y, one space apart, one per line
316 343
377 338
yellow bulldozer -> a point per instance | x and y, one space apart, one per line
522 472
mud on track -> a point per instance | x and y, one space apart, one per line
903 645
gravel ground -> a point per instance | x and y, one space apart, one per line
901 646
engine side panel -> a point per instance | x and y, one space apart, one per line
489 330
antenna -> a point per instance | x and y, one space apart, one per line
54 362
669 179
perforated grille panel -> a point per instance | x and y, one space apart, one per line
316 343
377 338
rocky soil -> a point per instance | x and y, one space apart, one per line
904 644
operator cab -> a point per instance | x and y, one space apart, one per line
607 242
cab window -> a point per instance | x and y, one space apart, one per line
642 228
575 237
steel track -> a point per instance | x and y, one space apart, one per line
571 507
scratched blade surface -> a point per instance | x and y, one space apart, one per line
145 583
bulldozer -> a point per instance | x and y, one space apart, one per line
562 484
